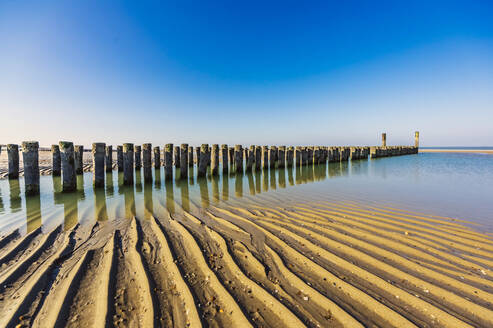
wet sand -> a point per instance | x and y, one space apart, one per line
256 262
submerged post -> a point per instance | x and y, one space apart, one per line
384 139
30 157
128 164
119 158
98 155
109 158
183 161
79 159
202 165
137 153
416 139
224 154
56 161
13 155
168 162
215 159
69 182
157 157
147 161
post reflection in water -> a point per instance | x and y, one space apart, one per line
33 212
185 196
272 173
57 183
251 183
204 191
148 202
120 183
239 184
170 197
100 210
157 178
110 189
298 175
70 206
129 198
225 187
215 188
138 180
290 176
191 175
282 177
15 195
265 179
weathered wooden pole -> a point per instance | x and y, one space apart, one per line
183 161
298 158
309 155
304 156
177 157
168 162
157 157
69 181
224 154
272 156
384 139
231 153
289 156
128 164
250 160
119 158
282 157
98 155
197 155
190 157
56 161
265 157
202 165
109 158
416 139
258 158
30 157
79 159
13 156
215 159
239 158
138 156
147 161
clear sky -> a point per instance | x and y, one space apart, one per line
249 72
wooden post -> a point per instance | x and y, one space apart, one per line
183 161
250 158
215 160
56 160
265 156
128 164
177 157
138 156
239 158
231 153
98 154
109 158
289 156
272 156
119 158
197 154
202 165
384 139
225 155
190 157
147 161
79 159
69 182
157 157
298 156
258 158
13 156
30 157
304 156
168 162
309 155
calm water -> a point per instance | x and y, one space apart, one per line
446 184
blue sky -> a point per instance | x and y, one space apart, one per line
256 72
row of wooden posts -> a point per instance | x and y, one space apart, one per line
67 159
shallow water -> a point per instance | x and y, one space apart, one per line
444 184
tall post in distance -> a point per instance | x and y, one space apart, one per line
56 161
30 157
109 158
119 158
98 155
183 161
202 165
128 164
157 157
384 139
138 156
224 155
168 162
79 159
416 139
215 159
69 181
147 161
13 156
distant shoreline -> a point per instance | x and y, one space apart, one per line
446 150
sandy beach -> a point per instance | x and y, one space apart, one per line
243 264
